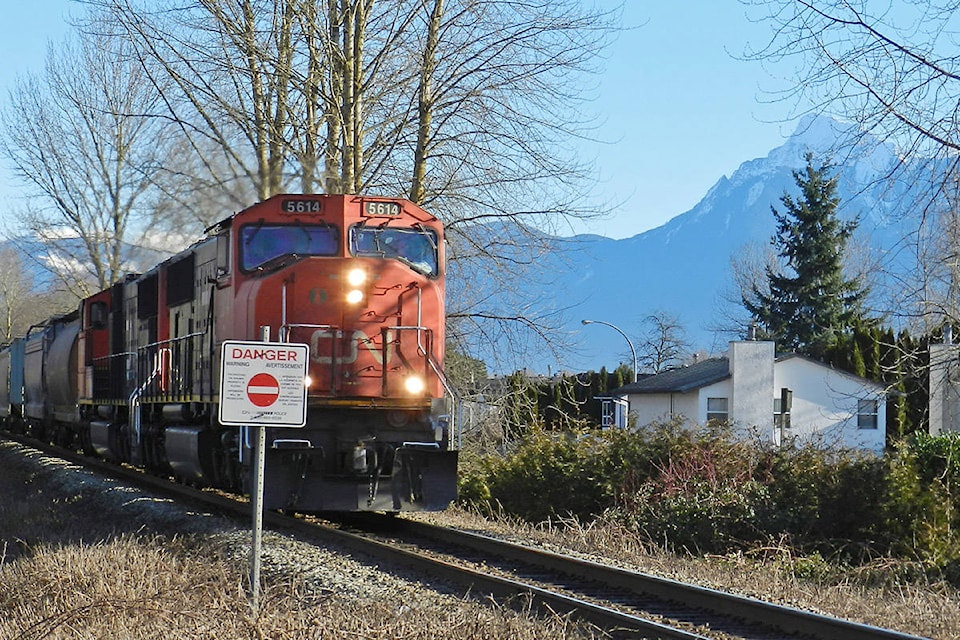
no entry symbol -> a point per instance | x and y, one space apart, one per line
263 390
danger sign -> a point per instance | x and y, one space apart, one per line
263 384
263 389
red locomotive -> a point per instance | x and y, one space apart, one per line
133 374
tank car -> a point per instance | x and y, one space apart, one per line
133 374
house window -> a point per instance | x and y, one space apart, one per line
608 417
866 414
717 410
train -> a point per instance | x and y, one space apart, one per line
132 374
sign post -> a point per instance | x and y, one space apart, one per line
262 384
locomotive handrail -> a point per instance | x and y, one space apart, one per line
284 335
437 369
125 354
134 400
172 340
171 346
453 416
284 328
454 396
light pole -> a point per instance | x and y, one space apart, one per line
625 337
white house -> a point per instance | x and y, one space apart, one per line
944 387
747 389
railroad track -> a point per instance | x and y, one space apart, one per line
692 608
622 603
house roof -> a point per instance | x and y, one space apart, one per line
695 376
681 379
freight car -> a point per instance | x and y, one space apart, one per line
132 374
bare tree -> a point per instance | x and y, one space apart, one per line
468 107
24 300
15 295
77 134
663 344
893 68
937 283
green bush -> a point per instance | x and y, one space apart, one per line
550 475
701 497
924 472
703 518
832 501
937 458
703 490
472 489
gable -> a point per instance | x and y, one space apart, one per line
797 372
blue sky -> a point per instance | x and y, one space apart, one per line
682 109
676 108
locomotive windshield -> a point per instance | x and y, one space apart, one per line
261 244
415 247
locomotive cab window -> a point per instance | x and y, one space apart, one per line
98 315
263 246
415 247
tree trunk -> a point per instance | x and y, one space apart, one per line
425 104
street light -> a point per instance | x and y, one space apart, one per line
633 351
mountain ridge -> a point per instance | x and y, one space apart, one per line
683 267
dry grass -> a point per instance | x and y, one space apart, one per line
83 559
130 588
885 594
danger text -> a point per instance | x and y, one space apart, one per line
238 353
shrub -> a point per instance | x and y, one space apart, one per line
937 458
473 491
701 498
704 490
832 501
549 475
924 472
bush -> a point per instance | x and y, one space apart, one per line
700 498
550 475
703 490
831 501
700 519
472 489
924 472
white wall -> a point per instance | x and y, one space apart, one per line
751 396
661 407
944 388
825 404
825 401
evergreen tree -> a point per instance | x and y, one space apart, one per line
603 382
808 304
857 365
463 371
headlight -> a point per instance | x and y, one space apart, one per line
356 277
414 385
354 296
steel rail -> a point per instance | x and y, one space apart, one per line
784 621
471 582
751 610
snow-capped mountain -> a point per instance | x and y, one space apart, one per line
683 268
